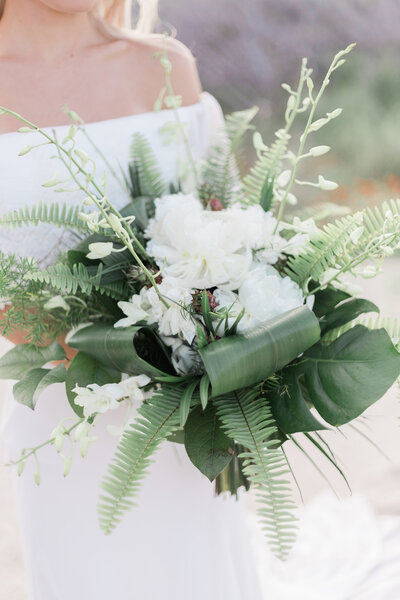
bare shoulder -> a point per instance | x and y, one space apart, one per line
184 74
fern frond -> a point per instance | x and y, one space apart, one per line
158 419
57 214
221 169
391 325
335 247
71 279
247 418
266 168
146 176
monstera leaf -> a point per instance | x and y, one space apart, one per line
346 377
290 407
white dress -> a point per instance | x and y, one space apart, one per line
179 542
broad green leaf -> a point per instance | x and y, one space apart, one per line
346 377
290 408
84 370
327 299
207 445
346 312
16 363
135 350
243 360
28 390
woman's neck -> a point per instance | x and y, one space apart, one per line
32 29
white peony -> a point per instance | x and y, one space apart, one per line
263 295
197 246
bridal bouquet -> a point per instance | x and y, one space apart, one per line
221 319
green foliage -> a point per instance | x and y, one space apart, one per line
289 405
207 445
17 361
346 312
146 176
346 377
239 361
57 214
338 247
69 280
247 419
158 419
265 169
221 170
35 381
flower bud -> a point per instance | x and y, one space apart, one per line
325 184
99 250
67 465
319 150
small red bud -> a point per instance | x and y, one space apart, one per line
215 204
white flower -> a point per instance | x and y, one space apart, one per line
56 302
197 246
131 387
98 399
99 250
172 319
101 399
264 294
325 184
133 310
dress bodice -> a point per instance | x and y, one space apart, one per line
21 177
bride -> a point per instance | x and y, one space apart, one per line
180 542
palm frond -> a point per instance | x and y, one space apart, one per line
221 169
158 419
265 169
67 279
146 176
247 418
63 215
336 245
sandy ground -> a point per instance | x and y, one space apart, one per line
369 472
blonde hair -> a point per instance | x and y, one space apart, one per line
115 16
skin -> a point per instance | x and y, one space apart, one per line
52 54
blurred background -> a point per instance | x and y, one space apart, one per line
245 50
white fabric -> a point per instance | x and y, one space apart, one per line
180 542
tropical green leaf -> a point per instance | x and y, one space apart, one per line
247 419
327 299
290 408
20 359
347 376
239 361
158 419
27 391
207 445
83 371
134 350
346 312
